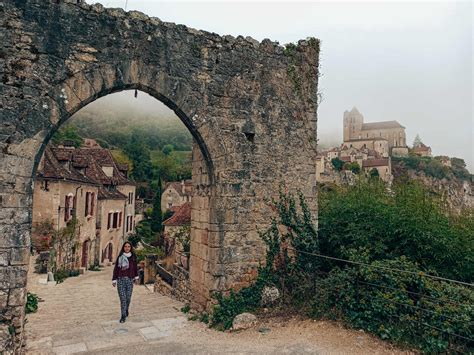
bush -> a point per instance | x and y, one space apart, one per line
407 220
31 305
378 288
337 163
142 253
402 307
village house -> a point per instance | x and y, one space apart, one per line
178 227
85 185
176 194
387 138
422 150
367 159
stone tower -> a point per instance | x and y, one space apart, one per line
353 121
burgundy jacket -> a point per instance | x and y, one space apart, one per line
131 272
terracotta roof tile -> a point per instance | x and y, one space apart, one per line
374 162
381 125
182 217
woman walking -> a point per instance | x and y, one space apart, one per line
125 274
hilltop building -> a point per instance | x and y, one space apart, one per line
85 186
387 138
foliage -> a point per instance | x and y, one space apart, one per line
156 215
64 246
32 300
94 268
144 233
378 289
122 158
417 142
433 167
354 167
139 154
408 220
149 250
134 239
374 173
337 163
68 133
173 166
61 274
183 236
167 149
401 306
186 308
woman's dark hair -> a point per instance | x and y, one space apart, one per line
131 249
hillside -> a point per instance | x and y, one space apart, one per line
447 177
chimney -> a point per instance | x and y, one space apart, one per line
183 190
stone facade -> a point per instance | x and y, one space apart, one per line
250 106
360 134
176 194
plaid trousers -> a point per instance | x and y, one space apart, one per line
124 288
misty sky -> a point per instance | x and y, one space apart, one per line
405 61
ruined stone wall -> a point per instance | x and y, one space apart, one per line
250 106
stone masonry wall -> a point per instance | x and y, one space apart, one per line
250 106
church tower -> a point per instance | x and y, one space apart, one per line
353 121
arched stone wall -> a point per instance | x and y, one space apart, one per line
251 107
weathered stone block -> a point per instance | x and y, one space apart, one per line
19 256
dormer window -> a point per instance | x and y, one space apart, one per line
108 170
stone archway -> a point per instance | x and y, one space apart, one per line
251 107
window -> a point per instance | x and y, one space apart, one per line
90 204
86 212
115 220
68 206
109 220
130 198
120 220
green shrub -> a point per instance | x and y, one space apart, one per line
31 305
60 275
402 307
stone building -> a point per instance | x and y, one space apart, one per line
88 185
178 223
374 135
62 194
383 167
176 194
366 158
422 150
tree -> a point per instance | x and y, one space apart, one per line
374 173
140 157
417 142
68 133
354 167
156 215
167 149
337 163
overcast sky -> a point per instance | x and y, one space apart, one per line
405 61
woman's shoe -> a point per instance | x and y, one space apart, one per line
122 319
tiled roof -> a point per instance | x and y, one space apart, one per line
422 148
182 217
92 160
106 194
381 125
177 185
56 169
374 162
346 159
365 139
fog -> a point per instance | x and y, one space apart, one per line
405 61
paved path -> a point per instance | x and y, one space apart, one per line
81 316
